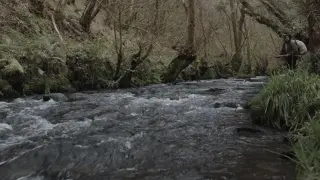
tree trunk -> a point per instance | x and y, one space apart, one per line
118 43
89 14
155 26
191 25
58 13
188 54
132 17
125 81
248 48
311 23
278 28
237 27
234 22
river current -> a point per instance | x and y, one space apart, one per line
187 131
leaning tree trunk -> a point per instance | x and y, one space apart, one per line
285 24
187 55
280 29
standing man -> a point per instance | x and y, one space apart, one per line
292 50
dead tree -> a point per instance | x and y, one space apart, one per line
187 54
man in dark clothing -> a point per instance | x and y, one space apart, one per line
292 50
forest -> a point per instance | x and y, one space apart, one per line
127 44
76 45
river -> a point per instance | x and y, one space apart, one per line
186 131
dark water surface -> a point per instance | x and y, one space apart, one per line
187 131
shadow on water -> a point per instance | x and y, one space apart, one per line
187 131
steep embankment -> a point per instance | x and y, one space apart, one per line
30 45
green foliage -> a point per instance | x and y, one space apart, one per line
89 67
10 66
292 100
6 90
209 74
53 83
307 151
310 62
148 73
287 100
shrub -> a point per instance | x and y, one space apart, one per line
291 100
310 62
288 100
307 151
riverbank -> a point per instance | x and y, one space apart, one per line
44 48
290 101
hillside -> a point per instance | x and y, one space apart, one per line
77 61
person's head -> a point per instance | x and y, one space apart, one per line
287 38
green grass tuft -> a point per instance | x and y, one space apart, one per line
307 151
288 100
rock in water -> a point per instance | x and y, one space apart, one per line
46 98
54 96
58 97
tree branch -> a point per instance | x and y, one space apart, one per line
249 10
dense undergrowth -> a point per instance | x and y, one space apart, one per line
291 101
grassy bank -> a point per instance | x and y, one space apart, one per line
291 101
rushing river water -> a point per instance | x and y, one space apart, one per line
187 131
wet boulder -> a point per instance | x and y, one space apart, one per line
59 97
